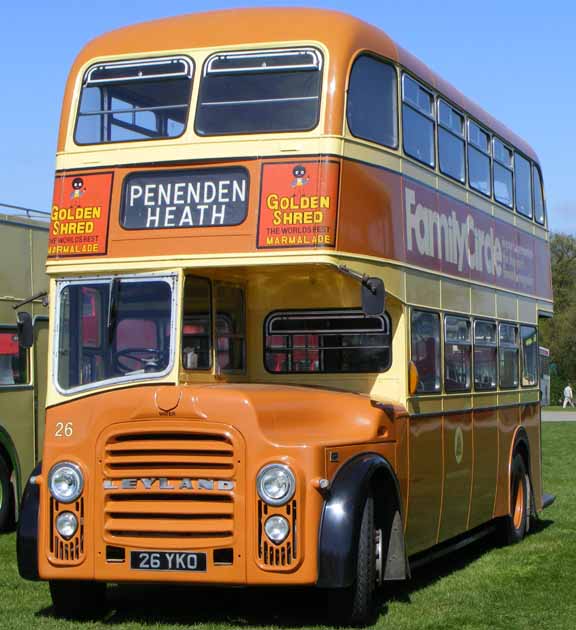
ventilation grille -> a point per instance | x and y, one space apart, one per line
174 485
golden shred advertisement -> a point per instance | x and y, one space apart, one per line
298 204
79 217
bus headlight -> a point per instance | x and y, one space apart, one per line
276 484
277 528
66 524
65 482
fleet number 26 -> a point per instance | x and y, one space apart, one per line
64 429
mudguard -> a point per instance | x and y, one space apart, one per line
27 536
342 516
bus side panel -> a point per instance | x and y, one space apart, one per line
531 422
485 467
16 412
426 473
508 418
458 462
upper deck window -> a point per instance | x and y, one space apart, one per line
479 159
418 121
539 211
451 142
260 92
372 97
146 99
523 186
502 173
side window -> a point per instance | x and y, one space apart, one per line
522 185
230 327
425 349
13 359
529 339
418 121
371 109
502 173
457 354
451 142
539 211
327 341
196 325
508 355
479 159
485 355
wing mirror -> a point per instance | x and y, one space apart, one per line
25 329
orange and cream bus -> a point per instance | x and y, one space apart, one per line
231 401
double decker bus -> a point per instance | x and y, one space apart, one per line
295 284
23 242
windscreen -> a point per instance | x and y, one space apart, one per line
113 329
260 92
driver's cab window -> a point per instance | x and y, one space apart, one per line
201 299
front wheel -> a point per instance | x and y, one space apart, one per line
78 600
357 604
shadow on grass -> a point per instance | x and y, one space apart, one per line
252 608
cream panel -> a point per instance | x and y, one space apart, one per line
508 398
366 152
479 202
455 296
505 215
487 399
456 403
425 405
451 189
507 306
483 302
422 290
527 311
411 170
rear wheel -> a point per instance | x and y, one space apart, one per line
517 523
78 600
6 498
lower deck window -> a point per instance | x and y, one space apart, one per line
13 359
327 342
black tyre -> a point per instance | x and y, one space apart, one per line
7 501
357 605
517 523
78 600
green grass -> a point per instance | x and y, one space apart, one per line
530 585
558 408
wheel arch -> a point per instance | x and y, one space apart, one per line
342 515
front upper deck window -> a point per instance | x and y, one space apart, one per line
260 92
147 99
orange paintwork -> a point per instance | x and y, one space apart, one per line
343 35
264 424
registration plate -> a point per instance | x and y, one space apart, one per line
167 561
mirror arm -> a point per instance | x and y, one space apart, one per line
36 296
362 278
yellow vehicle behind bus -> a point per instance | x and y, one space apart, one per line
23 376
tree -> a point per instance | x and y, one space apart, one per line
559 333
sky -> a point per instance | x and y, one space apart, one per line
515 58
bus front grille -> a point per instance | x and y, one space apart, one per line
172 486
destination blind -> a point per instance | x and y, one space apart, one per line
185 199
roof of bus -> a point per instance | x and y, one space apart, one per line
343 35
